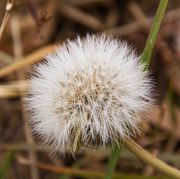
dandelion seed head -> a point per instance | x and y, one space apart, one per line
89 91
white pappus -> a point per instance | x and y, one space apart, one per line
88 92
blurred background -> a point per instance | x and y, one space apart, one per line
31 28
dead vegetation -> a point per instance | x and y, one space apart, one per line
30 29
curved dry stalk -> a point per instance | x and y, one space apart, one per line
151 159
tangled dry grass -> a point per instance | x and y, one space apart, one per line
30 29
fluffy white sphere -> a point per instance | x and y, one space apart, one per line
88 92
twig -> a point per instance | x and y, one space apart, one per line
9 6
39 19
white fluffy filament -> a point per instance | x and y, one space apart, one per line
88 92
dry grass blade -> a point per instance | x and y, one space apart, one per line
133 27
5 58
31 29
18 52
13 89
80 16
22 147
9 6
77 172
30 59
88 2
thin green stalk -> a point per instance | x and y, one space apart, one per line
150 43
146 58
113 160
5 164
171 100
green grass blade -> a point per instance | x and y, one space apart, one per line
5 164
146 59
150 43
112 161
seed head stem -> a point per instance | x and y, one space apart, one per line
151 159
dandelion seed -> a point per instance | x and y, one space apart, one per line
89 92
